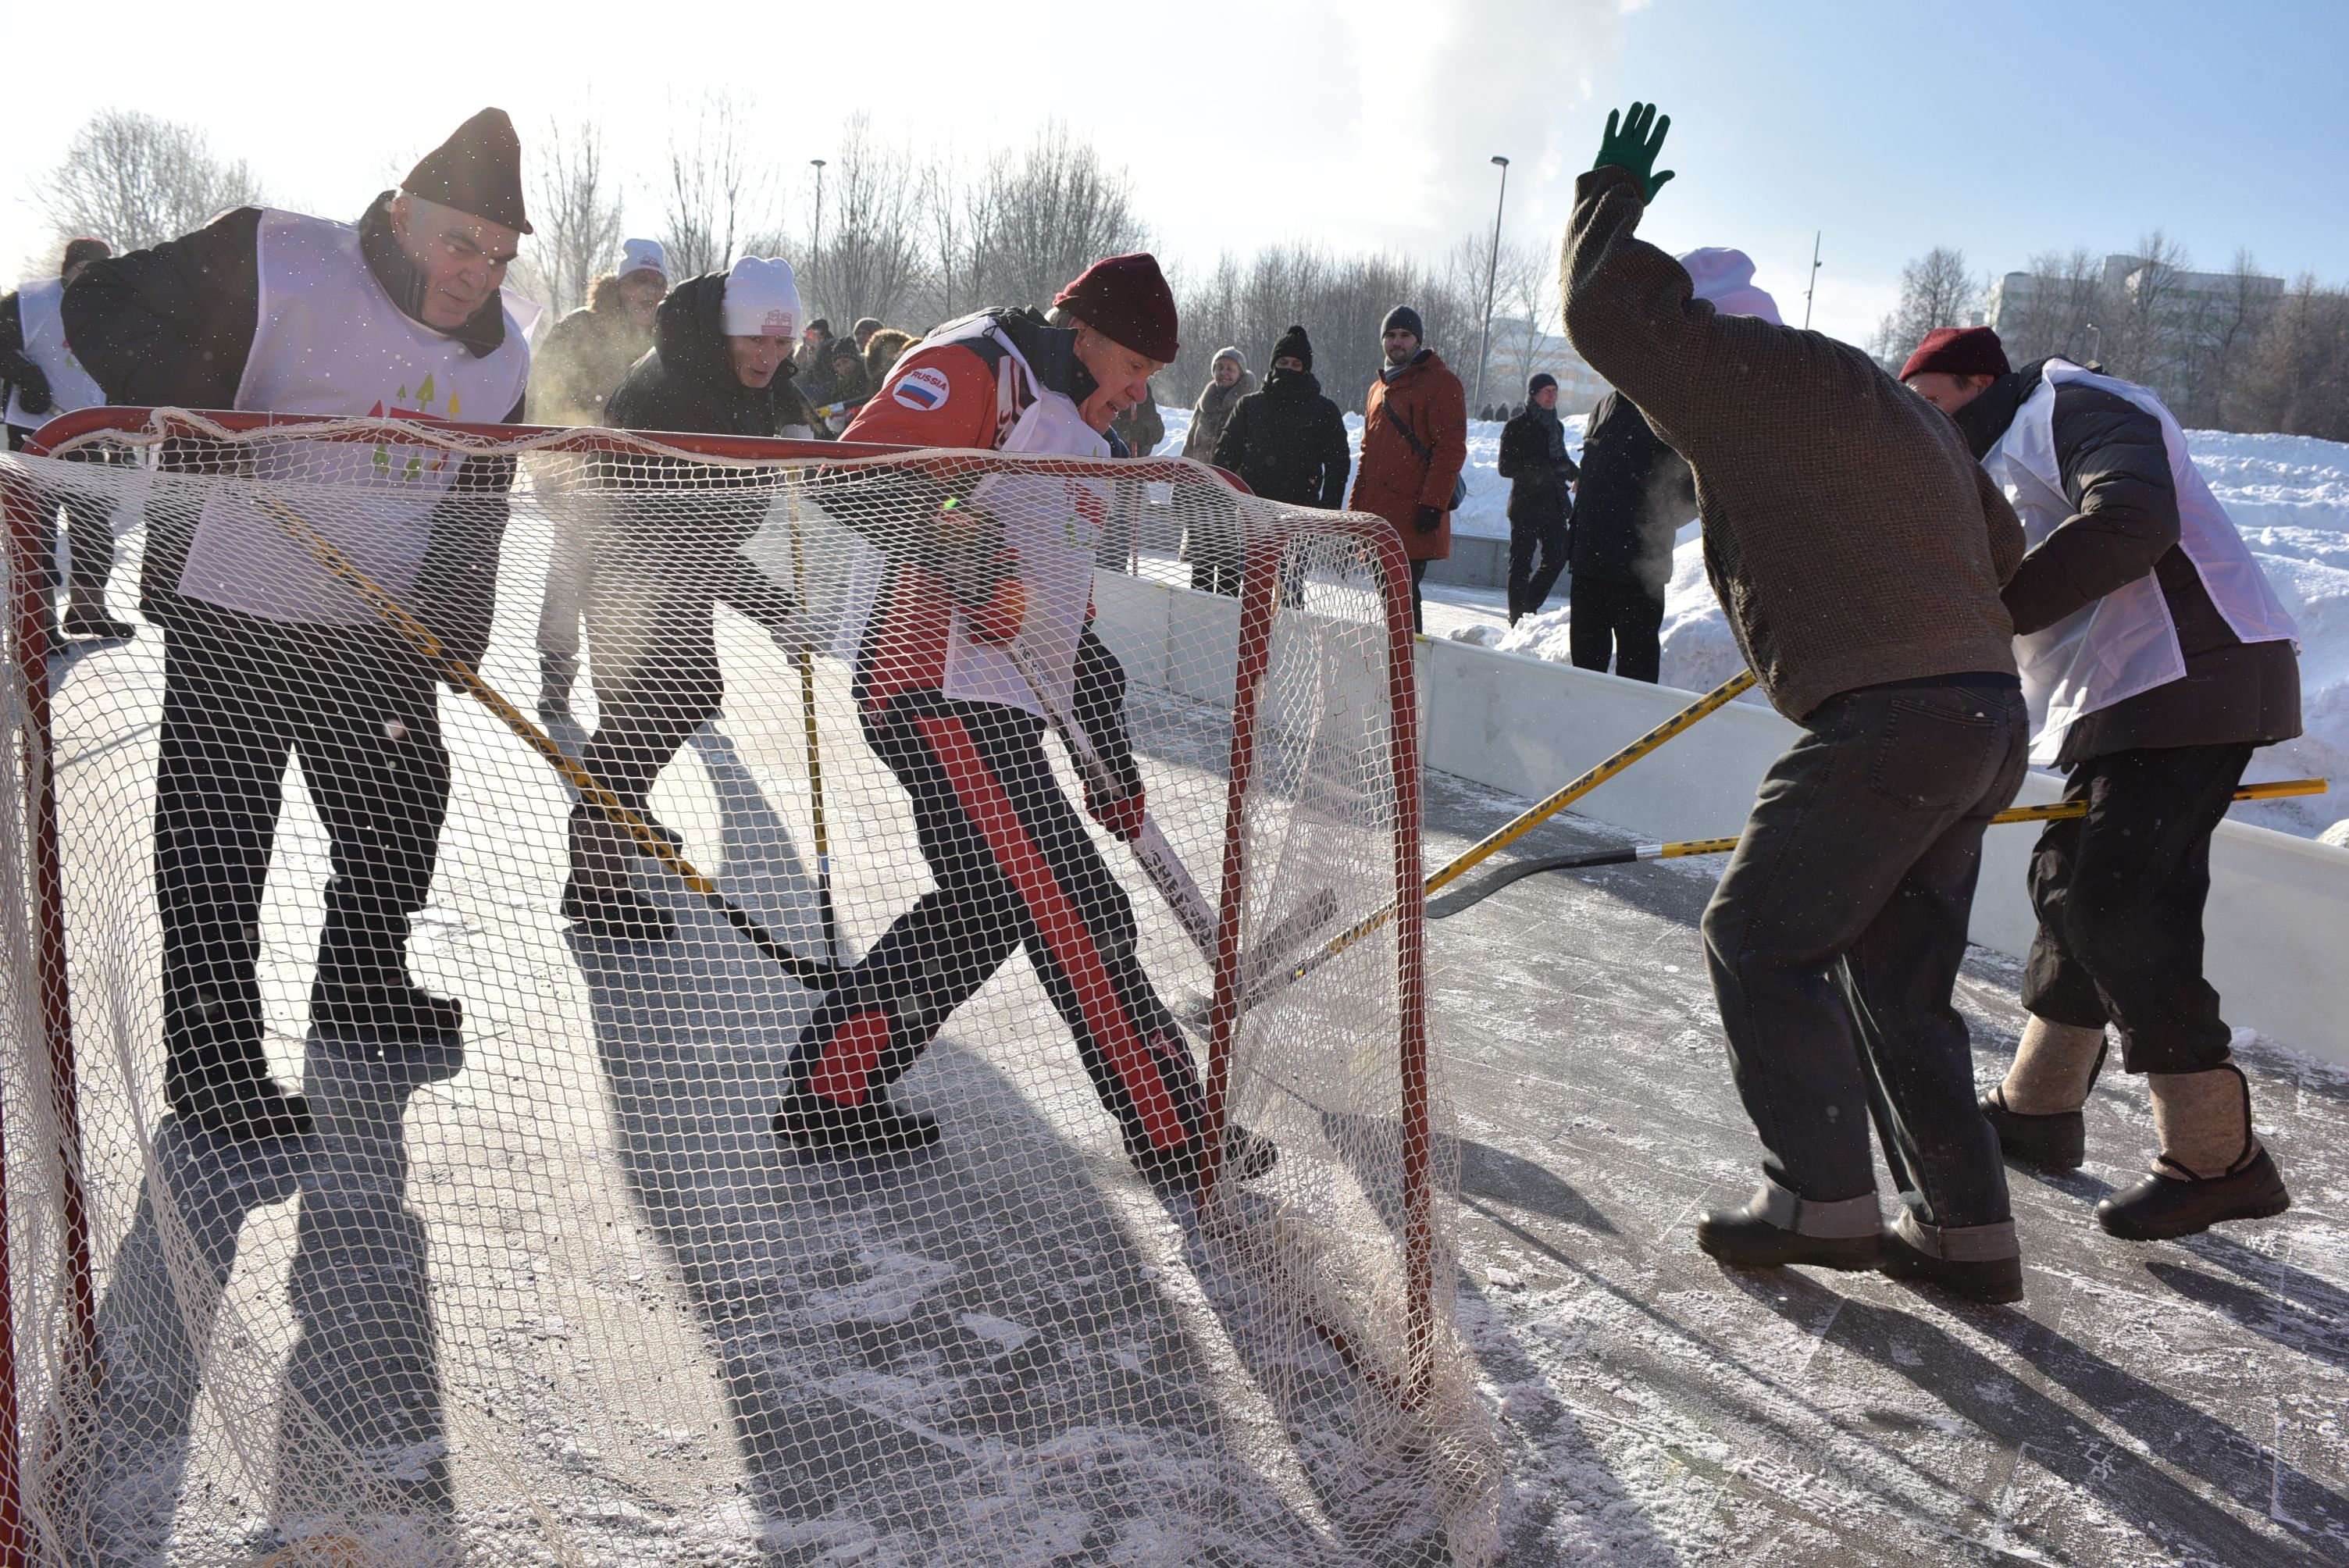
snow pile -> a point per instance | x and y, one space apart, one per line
2290 496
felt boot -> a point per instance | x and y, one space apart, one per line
2212 1167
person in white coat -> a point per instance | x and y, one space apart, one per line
267 656
2155 659
42 379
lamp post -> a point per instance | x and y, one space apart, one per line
1814 280
816 251
1492 270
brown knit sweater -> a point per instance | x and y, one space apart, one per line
1852 538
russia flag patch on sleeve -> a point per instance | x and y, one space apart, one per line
922 388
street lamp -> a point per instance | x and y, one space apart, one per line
816 254
1492 270
1815 235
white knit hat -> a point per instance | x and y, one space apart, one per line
1232 353
761 300
1726 278
642 256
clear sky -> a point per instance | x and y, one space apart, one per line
2001 127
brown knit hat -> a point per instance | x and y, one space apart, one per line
478 171
1959 351
1126 297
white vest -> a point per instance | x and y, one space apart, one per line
330 340
40 308
2124 643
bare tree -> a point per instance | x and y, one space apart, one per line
575 208
719 192
136 180
1936 290
2141 341
2059 311
1055 210
872 253
2296 377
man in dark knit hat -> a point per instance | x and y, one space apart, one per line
1858 550
267 656
1533 461
2155 659
989 591
1286 441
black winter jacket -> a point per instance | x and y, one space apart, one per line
1288 442
2124 524
1635 494
1535 462
172 327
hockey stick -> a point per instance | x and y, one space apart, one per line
826 910
1509 832
1156 856
454 670
2060 810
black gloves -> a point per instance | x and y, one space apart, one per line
31 382
1428 519
1633 144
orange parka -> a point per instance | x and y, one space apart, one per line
1395 482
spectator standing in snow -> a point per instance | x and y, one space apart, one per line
1541 506
267 656
1211 539
1288 442
720 364
848 387
1414 444
578 365
1859 551
814 358
39 379
1634 494
2155 659
1142 427
866 325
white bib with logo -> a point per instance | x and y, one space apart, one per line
330 340
40 309
2124 643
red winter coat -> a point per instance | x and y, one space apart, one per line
1394 480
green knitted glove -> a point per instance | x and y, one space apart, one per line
1631 144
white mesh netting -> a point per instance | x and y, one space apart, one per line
542 1277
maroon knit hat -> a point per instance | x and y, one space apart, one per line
1126 297
1960 351
478 171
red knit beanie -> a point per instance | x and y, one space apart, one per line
1126 298
1959 351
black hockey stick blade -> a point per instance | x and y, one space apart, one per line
1467 897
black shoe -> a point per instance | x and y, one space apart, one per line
244 1112
1987 1280
876 1126
1743 1237
1247 1156
2056 1142
98 626
621 913
398 1010
2161 1208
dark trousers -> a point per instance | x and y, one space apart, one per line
1617 618
1530 584
1418 605
2119 894
1012 864
241 695
90 531
1835 938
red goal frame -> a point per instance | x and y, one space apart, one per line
30 672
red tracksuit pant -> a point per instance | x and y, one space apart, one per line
1013 865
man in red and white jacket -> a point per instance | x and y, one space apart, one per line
953 665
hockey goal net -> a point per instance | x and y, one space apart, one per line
543 1278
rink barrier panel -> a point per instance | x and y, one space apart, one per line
1139 622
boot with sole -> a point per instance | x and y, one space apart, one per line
600 899
392 1007
2037 1110
2204 1122
92 624
1775 1228
243 1111
1247 1156
875 1126
1909 1253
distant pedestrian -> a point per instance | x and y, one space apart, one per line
1414 444
866 325
1211 540
1534 461
1288 442
813 359
1634 494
